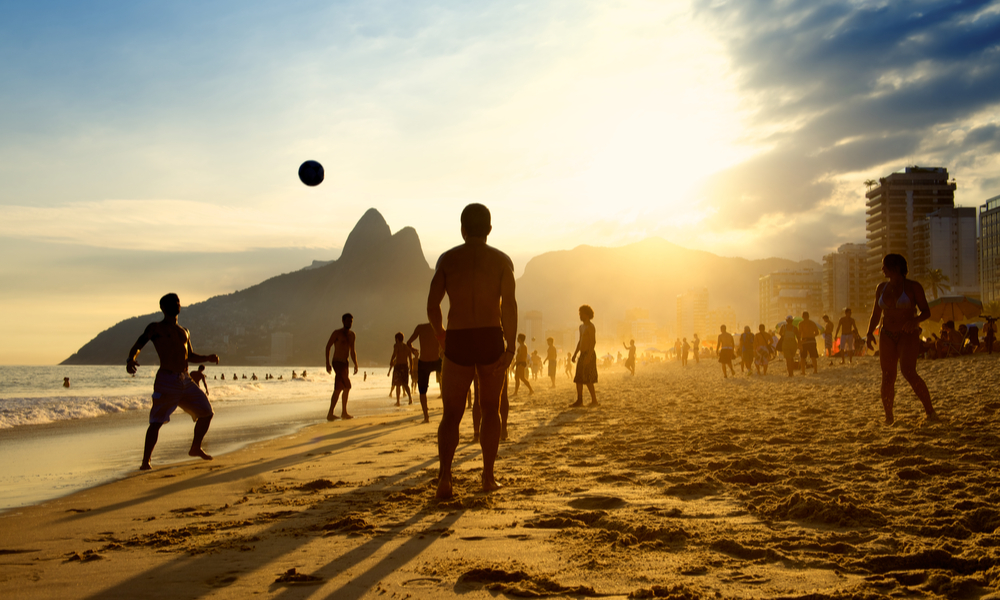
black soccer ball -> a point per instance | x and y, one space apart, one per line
311 173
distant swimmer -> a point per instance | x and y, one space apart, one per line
198 377
173 386
521 365
428 361
847 340
482 323
725 348
630 361
552 357
586 369
65 382
223 377
342 342
400 368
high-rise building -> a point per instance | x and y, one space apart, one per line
533 330
844 281
945 240
638 326
722 316
895 208
281 347
989 250
789 293
692 309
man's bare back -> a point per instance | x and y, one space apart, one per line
474 276
430 350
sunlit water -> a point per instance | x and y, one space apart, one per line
56 440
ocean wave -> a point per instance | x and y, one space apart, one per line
16 412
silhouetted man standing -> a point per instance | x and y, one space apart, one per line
342 342
482 325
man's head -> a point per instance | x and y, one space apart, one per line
347 320
170 305
805 314
201 368
586 311
847 312
476 221
520 337
826 317
399 336
722 328
789 320
551 341
762 328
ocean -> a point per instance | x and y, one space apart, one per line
56 440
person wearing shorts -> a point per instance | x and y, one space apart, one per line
482 324
177 390
342 341
848 326
428 361
808 330
173 387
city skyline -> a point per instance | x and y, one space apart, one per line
153 148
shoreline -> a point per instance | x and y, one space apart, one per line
681 483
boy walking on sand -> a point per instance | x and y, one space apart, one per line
173 386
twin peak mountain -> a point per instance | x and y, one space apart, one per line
383 278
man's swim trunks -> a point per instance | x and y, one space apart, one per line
424 370
341 375
586 367
400 375
828 340
809 348
847 342
172 390
475 346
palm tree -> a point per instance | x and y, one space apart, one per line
870 183
935 282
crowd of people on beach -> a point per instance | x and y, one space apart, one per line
480 353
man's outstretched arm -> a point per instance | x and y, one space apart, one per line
133 353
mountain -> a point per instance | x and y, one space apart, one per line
381 278
648 275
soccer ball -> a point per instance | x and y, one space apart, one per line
311 173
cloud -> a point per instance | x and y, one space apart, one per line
853 87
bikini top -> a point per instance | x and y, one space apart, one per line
902 302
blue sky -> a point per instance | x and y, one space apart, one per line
146 145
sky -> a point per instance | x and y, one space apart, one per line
148 147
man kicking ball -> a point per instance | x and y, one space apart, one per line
173 386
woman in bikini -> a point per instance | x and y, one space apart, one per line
896 304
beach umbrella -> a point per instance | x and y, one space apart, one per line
955 308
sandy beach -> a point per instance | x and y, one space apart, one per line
681 485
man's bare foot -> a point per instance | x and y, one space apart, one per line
490 484
594 403
444 490
503 434
332 417
426 420
577 403
346 416
889 420
411 401
397 402
475 438
145 467
933 417
199 453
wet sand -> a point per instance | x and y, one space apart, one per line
681 485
